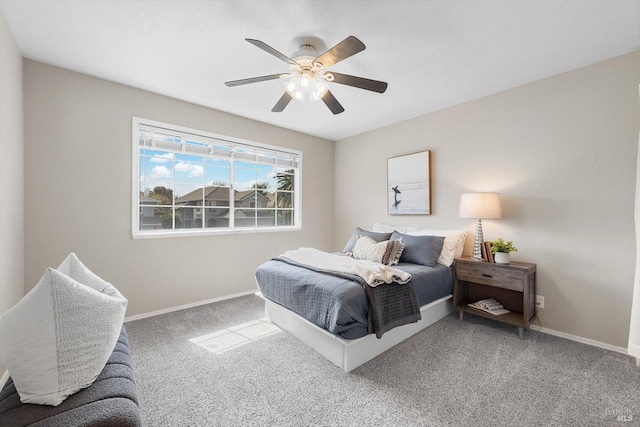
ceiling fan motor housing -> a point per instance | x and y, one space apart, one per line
305 55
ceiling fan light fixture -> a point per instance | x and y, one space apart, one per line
306 87
321 89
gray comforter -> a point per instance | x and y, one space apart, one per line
390 305
337 304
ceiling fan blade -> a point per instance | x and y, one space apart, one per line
282 103
272 51
359 82
252 80
333 104
346 48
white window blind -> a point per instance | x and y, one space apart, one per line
166 139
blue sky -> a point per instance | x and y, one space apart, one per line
161 168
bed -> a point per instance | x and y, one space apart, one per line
331 315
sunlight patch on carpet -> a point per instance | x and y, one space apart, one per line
236 336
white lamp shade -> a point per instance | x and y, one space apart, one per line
480 205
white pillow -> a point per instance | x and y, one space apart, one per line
74 268
387 252
453 239
379 227
58 338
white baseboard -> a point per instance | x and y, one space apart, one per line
190 305
580 339
4 378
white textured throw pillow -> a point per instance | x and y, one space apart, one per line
58 338
387 252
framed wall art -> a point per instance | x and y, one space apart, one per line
409 184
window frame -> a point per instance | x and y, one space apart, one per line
136 233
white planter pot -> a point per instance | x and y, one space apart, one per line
502 257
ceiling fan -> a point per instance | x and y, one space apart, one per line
308 78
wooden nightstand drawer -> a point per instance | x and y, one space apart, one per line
487 274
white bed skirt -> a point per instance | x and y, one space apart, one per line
349 354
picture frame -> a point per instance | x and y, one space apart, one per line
409 184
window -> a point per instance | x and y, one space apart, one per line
189 182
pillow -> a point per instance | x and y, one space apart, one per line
459 236
453 242
423 250
379 227
449 248
378 237
387 252
58 338
74 268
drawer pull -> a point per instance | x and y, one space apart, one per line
487 275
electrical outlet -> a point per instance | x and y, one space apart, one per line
539 301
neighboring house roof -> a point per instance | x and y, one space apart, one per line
210 193
148 200
242 195
214 193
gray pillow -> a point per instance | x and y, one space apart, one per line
423 250
378 237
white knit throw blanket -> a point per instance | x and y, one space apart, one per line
372 272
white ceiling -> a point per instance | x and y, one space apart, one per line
433 54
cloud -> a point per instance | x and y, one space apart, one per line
162 158
194 170
160 172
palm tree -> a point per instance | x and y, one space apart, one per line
285 183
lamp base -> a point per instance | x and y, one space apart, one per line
477 245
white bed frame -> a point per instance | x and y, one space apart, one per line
349 354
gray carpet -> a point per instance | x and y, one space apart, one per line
454 373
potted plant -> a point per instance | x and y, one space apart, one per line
501 250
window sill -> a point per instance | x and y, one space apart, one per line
191 233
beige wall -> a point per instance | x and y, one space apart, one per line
78 192
11 172
562 151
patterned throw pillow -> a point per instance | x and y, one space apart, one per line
387 252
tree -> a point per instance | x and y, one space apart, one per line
285 183
165 196
261 187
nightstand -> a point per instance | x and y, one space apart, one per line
514 285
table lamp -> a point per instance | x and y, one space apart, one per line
481 206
